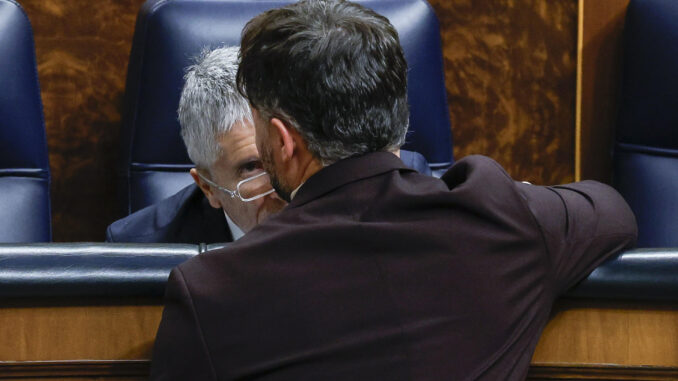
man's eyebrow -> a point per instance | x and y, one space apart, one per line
240 166
248 160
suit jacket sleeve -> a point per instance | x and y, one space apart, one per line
180 351
582 224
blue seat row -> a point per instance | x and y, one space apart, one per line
154 160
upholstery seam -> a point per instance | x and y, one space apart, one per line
42 117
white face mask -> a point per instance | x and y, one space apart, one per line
236 232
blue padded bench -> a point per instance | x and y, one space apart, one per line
141 270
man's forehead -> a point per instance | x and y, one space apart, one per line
237 144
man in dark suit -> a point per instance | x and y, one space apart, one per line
216 127
184 217
373 271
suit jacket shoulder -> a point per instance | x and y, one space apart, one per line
580 224
185 217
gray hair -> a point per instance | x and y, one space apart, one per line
210 104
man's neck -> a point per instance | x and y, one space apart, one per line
309 166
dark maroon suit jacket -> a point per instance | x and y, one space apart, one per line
375 272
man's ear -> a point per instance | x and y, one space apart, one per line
287 138
206 189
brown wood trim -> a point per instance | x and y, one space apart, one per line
94 368
578 105
74 368
599 62
540 371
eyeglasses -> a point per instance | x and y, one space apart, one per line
249 189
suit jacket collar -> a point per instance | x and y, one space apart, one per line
195 220
347 171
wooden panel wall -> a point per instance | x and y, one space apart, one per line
82 49
510 75
510 69
92 338
84 339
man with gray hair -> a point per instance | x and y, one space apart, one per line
232 193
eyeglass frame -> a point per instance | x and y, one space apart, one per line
236 192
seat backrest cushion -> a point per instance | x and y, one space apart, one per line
24 166
646 151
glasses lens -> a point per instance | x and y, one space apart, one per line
255 186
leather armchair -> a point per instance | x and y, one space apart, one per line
154 162
24 167
646 149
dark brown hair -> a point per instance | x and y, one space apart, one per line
334 70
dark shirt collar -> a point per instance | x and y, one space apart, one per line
346 171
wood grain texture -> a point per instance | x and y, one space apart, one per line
510 69
583 340
81 331
139 369
65 370
601 28
82 50
600 372
610 333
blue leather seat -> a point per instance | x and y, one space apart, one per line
646 150
170 33
24 166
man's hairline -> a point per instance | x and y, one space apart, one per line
220 151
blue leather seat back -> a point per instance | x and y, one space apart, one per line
169 34
646 151
24 167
